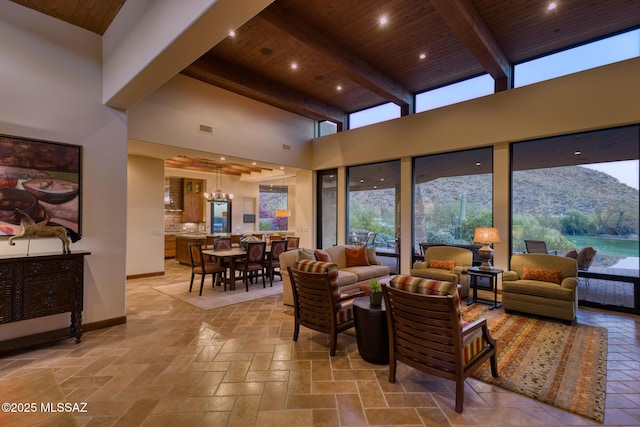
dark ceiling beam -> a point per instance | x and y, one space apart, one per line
352 66
230 77
465 20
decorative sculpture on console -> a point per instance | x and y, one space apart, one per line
30 228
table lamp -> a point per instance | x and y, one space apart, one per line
486 236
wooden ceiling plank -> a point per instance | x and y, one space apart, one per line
353 67
233 78
465 20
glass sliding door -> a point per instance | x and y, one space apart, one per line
327 208
580 191
452 194
373 207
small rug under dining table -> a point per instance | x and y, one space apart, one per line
559 364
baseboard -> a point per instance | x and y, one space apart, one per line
143 275
86 327
30 342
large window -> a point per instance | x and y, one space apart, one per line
591 55
373 115
327 208
326 127
454 93
577 191
373 207
453 194
274 203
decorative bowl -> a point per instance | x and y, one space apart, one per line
52 190
12 199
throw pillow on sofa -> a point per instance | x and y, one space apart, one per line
371 255
306 254
356 257
444 265
552 276
322 255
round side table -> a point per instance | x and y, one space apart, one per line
371 331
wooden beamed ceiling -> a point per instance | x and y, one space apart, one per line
347 60
207 165
337 43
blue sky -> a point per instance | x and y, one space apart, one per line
626 172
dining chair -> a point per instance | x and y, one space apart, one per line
222 243
235 240
199 265
254 263
273 259
293 242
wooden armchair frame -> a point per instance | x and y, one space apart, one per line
426 333
317 305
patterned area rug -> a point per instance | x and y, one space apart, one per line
565 366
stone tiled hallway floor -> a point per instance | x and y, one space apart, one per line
173 364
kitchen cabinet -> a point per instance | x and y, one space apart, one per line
193 200
182 247
169 246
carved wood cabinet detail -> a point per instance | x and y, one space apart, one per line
42 285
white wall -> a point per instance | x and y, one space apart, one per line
145 215
51 90
242 127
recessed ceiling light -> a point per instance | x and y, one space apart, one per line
383 20
381 179
253 163
577 152
339 88
478 164
361 180
294 66
282 168
552 5
232 33
423 56
222 158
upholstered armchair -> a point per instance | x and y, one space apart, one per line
446 263
541 284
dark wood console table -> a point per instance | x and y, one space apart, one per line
41 285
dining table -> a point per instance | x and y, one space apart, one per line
232 255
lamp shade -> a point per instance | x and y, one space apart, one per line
486 235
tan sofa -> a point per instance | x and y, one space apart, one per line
349 278
540 295
463 259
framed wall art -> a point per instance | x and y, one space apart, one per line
42 179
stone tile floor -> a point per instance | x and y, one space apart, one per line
174 364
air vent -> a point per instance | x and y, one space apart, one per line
286 147
206 129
